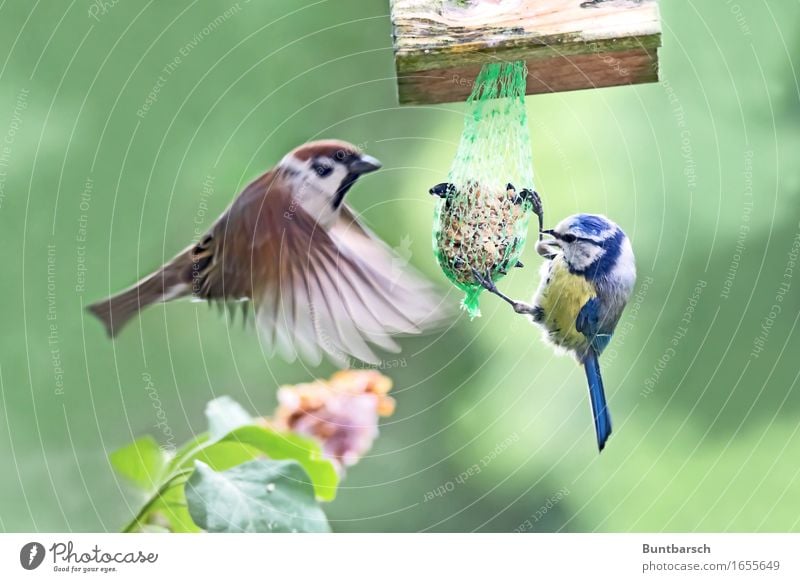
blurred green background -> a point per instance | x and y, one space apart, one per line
701 170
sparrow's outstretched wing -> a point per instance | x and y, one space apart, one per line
338 292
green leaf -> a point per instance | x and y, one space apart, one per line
224 454
171 507
279 446
142 463
220 451
224 414
259 496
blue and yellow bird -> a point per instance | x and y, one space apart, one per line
586 283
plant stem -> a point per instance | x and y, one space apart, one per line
132 525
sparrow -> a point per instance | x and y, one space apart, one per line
585 285
321 283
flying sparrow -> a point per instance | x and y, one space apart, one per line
319 280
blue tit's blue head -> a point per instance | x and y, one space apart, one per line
593 245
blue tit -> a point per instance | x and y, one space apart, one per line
585 284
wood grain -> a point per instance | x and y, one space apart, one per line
440 45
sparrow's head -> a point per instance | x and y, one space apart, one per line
592 244
322 172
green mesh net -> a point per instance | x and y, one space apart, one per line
482 216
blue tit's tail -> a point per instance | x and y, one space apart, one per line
602 419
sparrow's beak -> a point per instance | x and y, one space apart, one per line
364 164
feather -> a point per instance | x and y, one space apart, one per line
327 287
602 418
170 282
315 290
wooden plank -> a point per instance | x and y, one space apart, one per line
440 45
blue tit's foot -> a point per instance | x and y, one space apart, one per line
519 265
532 196
486 282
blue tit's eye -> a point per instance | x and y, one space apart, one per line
322 169
568 238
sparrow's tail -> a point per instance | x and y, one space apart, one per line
114 312
602 419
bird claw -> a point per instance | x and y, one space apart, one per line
533 197
485 281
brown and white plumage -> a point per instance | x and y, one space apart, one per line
321 283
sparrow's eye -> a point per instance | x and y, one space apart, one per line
568 238
322 169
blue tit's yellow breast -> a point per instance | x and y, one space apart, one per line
561 298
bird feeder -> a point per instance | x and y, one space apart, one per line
441 45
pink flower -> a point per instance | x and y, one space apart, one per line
341 414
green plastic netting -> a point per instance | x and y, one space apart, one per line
482 217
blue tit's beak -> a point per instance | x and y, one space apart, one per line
551 233
364 164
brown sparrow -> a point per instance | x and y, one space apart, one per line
318 279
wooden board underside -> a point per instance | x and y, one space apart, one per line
440 47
